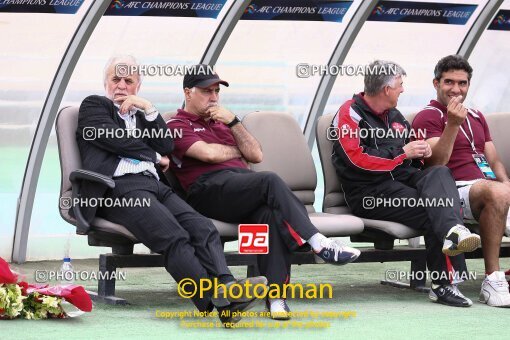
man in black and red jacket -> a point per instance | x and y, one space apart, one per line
380 174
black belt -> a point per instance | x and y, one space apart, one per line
144 173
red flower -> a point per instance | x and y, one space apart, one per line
74 294
6 276
23 285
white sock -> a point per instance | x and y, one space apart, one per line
276 305
274 300
315 241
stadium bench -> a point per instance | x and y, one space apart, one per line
289 157
103 233
383 233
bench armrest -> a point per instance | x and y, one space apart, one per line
77 177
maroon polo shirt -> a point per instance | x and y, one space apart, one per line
195 129
433 119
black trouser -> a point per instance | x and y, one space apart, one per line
434 182
239 195
189 241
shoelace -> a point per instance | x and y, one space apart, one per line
456 291
499 284
334 246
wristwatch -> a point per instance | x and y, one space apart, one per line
234 121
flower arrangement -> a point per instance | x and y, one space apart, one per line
32 301
11 301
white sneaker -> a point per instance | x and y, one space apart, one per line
460 240
278 309
494 290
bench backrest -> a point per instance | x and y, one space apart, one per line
170 176
499 124
285 152
334 201
69 155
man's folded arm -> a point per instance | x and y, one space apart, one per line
191 145
212 152
247 144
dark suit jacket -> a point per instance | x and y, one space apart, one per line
103 154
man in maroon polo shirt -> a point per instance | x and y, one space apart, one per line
210 161
460 138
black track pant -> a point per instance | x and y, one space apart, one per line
434 182
239 195
189 241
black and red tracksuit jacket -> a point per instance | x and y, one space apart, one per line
368 150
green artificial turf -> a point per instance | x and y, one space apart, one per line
382 312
